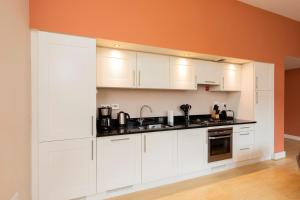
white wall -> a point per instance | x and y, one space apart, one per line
15 99
131 100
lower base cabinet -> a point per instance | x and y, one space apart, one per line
159 155
118 162
192 150
67 169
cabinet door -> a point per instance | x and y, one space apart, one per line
119 162
67 169
183 74
192 150
264 132
153 71
66 86
208 73
264 73
231 79
116 68
159 156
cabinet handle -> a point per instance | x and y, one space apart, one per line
92 125
244 149
133 77
92 149
139 77
223 82
145 144
244 127
121 139
256 82
244 134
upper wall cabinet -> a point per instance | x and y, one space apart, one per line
264 76
183 74
116 68
153 71
65 71
208 73
230 78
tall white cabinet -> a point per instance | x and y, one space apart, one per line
64 116
257 103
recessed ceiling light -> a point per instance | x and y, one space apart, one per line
117 45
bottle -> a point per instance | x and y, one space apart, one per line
170 118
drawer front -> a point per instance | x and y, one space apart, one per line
244 153
244 127
245 138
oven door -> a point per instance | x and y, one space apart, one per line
219 147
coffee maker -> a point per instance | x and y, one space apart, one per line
104 113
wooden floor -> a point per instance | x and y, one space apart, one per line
269 180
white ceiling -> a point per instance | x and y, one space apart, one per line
287 8
291 63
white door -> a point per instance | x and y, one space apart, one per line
192 150
118 162
67 169
159 155
183 74
66 86
116 68
231 78
153 71
264 76
264 132
208 73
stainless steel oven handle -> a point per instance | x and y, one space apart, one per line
215 138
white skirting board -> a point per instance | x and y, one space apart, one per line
279 155
292 137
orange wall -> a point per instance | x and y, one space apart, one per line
15 99
226 28
292 100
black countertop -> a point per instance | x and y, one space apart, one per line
134 129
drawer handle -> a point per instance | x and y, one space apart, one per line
245 127
117 140
244 133
244 149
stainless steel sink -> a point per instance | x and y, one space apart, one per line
154 126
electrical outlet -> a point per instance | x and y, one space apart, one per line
104 105
115 106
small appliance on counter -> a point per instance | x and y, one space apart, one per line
215 112
123 119
104 113
227 114
186 109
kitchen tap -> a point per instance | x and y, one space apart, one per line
140 120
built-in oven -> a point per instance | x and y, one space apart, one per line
219 144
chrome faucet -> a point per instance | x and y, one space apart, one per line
140 120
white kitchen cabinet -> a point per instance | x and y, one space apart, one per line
183 74
230 78
264 76
264 115
244 142
208 73
67 169
153 71
116 68
192 150
159 155
118 162
66 68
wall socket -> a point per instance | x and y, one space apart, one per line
114 106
